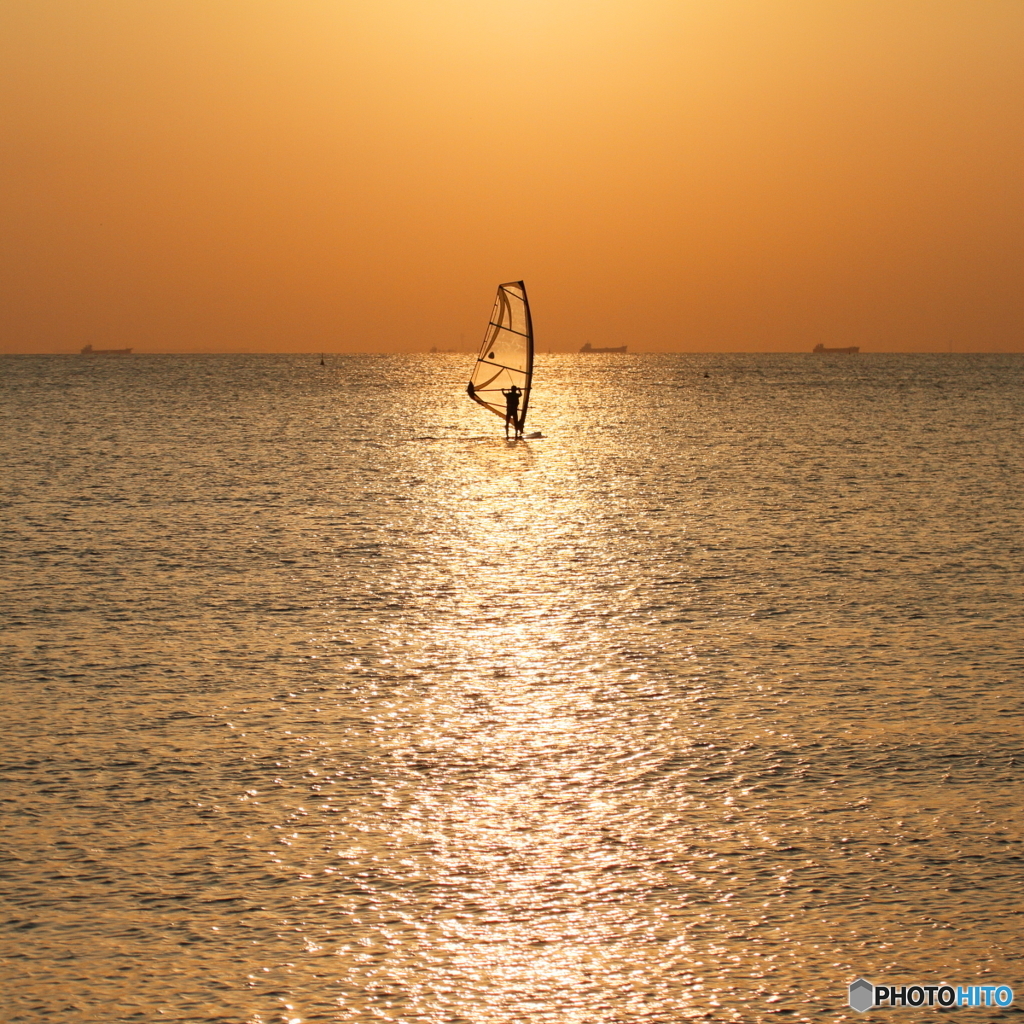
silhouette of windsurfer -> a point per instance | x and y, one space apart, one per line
512 397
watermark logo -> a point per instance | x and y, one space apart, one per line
864 995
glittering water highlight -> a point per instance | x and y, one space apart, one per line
323 702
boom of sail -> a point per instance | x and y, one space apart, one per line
506 355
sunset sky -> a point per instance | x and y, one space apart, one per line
358 175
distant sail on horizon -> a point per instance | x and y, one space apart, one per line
506 355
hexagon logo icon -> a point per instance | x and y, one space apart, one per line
862 995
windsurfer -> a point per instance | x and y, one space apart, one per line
512 409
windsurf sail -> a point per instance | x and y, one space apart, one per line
506 355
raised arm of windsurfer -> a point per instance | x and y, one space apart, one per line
512 409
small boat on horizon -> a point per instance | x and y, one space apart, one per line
848 351
588 350
90 351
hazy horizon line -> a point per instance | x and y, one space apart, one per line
314 353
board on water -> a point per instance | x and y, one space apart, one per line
506 355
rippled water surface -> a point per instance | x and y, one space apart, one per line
323 702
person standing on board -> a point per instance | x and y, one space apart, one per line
512 409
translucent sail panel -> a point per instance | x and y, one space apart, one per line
506 355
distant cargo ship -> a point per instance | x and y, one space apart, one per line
90 351
587 350
848 351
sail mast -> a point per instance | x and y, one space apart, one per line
529 357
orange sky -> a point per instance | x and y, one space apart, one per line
358 175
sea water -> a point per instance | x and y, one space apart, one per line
324 702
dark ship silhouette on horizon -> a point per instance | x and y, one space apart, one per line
848 351
588 350
90 351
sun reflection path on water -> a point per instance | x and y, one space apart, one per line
511 739
509 802
550 830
